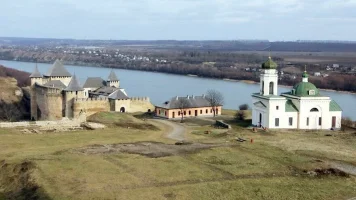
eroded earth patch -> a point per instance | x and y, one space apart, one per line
148 149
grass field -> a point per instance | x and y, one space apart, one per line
274 166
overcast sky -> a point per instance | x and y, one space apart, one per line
180 19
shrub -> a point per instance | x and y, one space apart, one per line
240 115
244 107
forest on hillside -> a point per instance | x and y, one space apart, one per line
21 76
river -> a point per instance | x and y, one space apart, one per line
160 87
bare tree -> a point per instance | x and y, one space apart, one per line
182 104
240 115
9 111
215 99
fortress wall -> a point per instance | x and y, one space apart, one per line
46 103
90 106
141 104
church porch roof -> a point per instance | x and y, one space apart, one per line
260 104
291 107
334 106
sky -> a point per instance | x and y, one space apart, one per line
274 20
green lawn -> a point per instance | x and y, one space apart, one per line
269 168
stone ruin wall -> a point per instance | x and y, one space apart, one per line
90 106
141 104
46 103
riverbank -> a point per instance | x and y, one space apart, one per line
162 86
189 75
288 86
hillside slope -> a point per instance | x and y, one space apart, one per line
14 101
21 76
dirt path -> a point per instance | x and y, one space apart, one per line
350 169
176 131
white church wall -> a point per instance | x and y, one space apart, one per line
284 118
338 116
323 111
256 111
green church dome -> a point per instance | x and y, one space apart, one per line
269 64
305 74
305 89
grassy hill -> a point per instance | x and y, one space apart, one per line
117 163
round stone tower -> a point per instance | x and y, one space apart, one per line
72 92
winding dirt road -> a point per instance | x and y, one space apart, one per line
176 132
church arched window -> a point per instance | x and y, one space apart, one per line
314 110
271 86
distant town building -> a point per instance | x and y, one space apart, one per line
336 66
301 108
317 74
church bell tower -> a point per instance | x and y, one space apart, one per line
269 78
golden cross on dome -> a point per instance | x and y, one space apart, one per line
305 68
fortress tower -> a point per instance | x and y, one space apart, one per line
36 76
71 92
57 73
113 81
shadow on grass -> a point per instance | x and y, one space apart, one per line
17 183
240 123
139 126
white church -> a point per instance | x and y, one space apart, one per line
301 108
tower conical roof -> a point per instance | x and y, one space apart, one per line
74 85
112 76
36 73
58 69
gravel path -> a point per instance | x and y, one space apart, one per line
177 131
350 169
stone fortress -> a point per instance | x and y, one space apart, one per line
57 95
